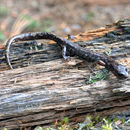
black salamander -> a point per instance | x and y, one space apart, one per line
117 69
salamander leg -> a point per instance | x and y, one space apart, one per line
92 66
71 37
95 63
66 58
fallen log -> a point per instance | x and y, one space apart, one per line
43 92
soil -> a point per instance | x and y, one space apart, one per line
62 16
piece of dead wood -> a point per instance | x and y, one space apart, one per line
44 92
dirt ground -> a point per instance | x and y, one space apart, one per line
60 16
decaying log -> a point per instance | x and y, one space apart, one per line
50 88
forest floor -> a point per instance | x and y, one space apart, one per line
59 16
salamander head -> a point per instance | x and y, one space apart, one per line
120 71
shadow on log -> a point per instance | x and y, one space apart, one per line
49 88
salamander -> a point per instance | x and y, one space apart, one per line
110 64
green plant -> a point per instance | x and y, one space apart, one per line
107 52
87 124
127 122
3 11
32 22
38 128
2 36
45 26
63 122
63 125
89 16
4 128
100 75
107 126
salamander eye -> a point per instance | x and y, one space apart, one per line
126 69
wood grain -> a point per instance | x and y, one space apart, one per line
49 88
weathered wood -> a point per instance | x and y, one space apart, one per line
114 37
41 93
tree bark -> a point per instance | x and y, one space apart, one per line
43 92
